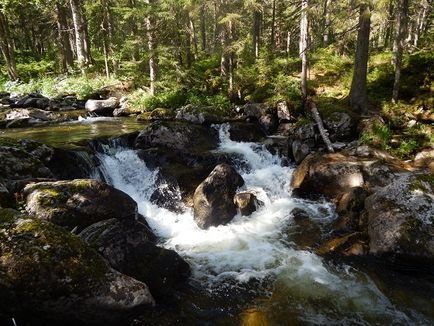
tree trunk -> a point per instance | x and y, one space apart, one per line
63 36
203 28
107 30
7 48
80 34
256 32
398 45
152 46
358 92
303 47
390 17
273 28
326 17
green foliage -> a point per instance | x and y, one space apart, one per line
379 136
81 86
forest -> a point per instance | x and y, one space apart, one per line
216 162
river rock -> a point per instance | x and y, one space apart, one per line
340 126
6 199
269 123
213 199
37 101
350 206
78 203
177 136
329 175
48 271
246 132
401 218
128 246
20 160
102 107
200 114
247 203
283 112
299 151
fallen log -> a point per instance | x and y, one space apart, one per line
323 132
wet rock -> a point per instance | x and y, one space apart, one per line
37 101
177 136
350 206
46 270
401 218
6 199
128 246
246 132
78 203
278 145
377 174
102 107
329 175
340 126
247 203
180 173
213 199
157 114
350 244
27 114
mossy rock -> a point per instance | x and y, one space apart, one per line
78 203
129 248
401 218
50 272
178 136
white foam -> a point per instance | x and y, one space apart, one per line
248 247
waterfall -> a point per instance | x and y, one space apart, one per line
255 247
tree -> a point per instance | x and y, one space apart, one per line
7 47
63 37
81 35
358 91
304 47
398 44
152 45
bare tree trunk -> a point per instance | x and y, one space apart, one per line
358 92
107 30
303 47
273 28
203 27
288 42
319 123
80 34
7 48
421 22
256 33
152 47
398 46
326 17
63 35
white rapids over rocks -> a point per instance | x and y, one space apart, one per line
255 247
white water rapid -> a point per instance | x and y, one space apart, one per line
257 247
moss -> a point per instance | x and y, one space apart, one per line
424 182
8 215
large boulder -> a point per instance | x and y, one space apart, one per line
102 107
78 203
401 218
329 175
213 199
179 171
49 273
128 246
177 136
